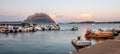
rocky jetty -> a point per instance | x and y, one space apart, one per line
39 18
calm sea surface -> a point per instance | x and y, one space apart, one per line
47 42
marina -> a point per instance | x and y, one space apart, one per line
59 27
10 27
44 42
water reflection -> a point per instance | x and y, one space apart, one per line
46 42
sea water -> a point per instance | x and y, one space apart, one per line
47 42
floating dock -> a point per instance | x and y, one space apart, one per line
107 47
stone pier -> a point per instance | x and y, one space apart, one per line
107 47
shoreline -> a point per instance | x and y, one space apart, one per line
92 22
106 47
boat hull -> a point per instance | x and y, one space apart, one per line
99 35
80 45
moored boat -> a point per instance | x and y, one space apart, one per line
74 28
78 44
55 27
99 35
116 31
90 34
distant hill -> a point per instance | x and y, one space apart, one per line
91 22
39 18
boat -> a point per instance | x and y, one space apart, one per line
48 28
99 35
78 44
116 31
3 29
74 28
55 27
37 27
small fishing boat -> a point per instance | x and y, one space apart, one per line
115 30
78 44
37 27
99 35
55 27
74 28
90 34
48 28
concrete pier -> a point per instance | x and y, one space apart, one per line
107 47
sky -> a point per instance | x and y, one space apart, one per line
61 10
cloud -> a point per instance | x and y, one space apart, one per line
62 18
85 16
52 16
81 17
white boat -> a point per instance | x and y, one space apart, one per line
55 27
74 28
80 44
37 27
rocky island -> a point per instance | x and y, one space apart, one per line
39 18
